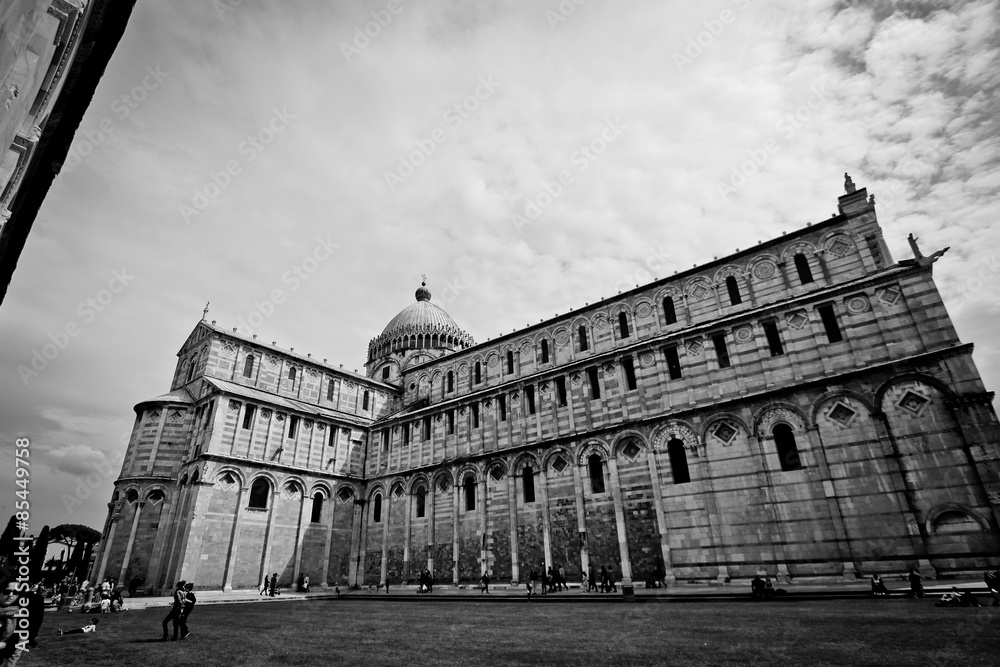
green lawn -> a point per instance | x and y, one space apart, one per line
362 632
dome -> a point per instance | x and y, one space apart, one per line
420 325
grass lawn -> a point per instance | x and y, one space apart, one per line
361 632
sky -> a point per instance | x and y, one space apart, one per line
302 164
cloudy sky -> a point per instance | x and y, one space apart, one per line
230 144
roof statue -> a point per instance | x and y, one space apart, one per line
849 187
919 256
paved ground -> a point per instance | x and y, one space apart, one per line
677 593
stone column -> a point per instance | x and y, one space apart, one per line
406 536
265 561
661 517
431 492
234 542
384 569
616 495
483 551
188 568
581 518
832 501
355 572
177 532
766 484
454 536
107 551
102 545
752 297
821 259
299 539
160 542
328 540
515 568
546 534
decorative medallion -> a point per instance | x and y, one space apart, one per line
265 414
609 367
345 495
643 310
693 346
439 417
797 319
600 320
488 402
647 359
543 388
764 270
631 450
349 386
576 378
515 396
154 416
312 373
496 473
725 432
228 350
234 406
463 368
308 425
842 413
562 338
443 485
272 362
225 365
493 360
227 481
839 246
858 304
913 402
559 464
321 427
461 410
280 417
743 333
527 346
890 295
698 289
175 416
397 492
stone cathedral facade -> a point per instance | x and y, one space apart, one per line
803 407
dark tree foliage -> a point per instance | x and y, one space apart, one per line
38 550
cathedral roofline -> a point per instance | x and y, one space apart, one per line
181 396
295 355
679 276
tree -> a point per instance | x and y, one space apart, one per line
38 550
75 557
71 533
10 533
84 567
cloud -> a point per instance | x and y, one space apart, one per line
77 460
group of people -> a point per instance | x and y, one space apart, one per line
605 583
426 582
181 606
12 643
761 588
270 587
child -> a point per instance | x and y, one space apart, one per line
92 627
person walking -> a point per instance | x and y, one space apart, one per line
562 578
530 585
177 605
386 583
485 579
584 585
916 586
593 581
305 583
545 581
274 584
611 579
604 579
189 601
532 578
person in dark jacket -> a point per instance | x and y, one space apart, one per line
189 601
176 606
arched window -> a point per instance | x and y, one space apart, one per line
954 521
734 291
421 502
469 487
190 371
510 362
291 373
669 312
248 366
132 495
596 469
528 484
366 397
623 325
582 335
678 461
451 381
259 492
788 451
545 351
802 266
478 372
317 508
377 508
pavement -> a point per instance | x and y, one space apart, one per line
732 592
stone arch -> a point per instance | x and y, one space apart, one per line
709 427
132 494
664 292
349 490
697 287
804 247
551 455
934 516
817 406
764 267
643 309
726 271
321 487
562 337
443 475
416 482
834 240
155 488
397 484
590 447
774 413
623 438
524 460
910 377
294 483
492 466
377 488
465 471
183 480
620 307
675 428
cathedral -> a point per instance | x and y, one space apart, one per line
802 408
